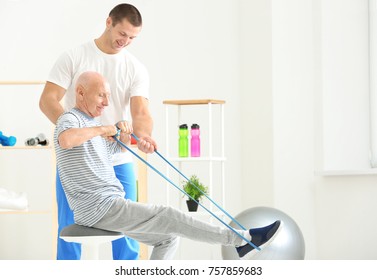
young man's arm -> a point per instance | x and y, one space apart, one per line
142 123
49 102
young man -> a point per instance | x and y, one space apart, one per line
129 82
83 152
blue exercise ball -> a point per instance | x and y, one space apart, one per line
289 244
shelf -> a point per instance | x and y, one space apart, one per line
193 102
26 147
195 159
346 172
30 169
209 157
24 212
22 82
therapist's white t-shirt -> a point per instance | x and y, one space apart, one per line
126 75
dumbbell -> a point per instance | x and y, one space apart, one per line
39 140
7 140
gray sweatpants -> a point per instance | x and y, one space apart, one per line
161 227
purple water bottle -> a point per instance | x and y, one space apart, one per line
195 140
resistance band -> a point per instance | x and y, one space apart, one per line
185 193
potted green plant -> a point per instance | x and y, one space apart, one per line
196 190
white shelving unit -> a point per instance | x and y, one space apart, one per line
211 124
31 233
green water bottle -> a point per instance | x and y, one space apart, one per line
183 146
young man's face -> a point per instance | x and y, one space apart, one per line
121 35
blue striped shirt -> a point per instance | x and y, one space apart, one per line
86 171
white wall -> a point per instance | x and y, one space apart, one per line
344 205
264 59
293 114
344 43
277 99
293 50
256 100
